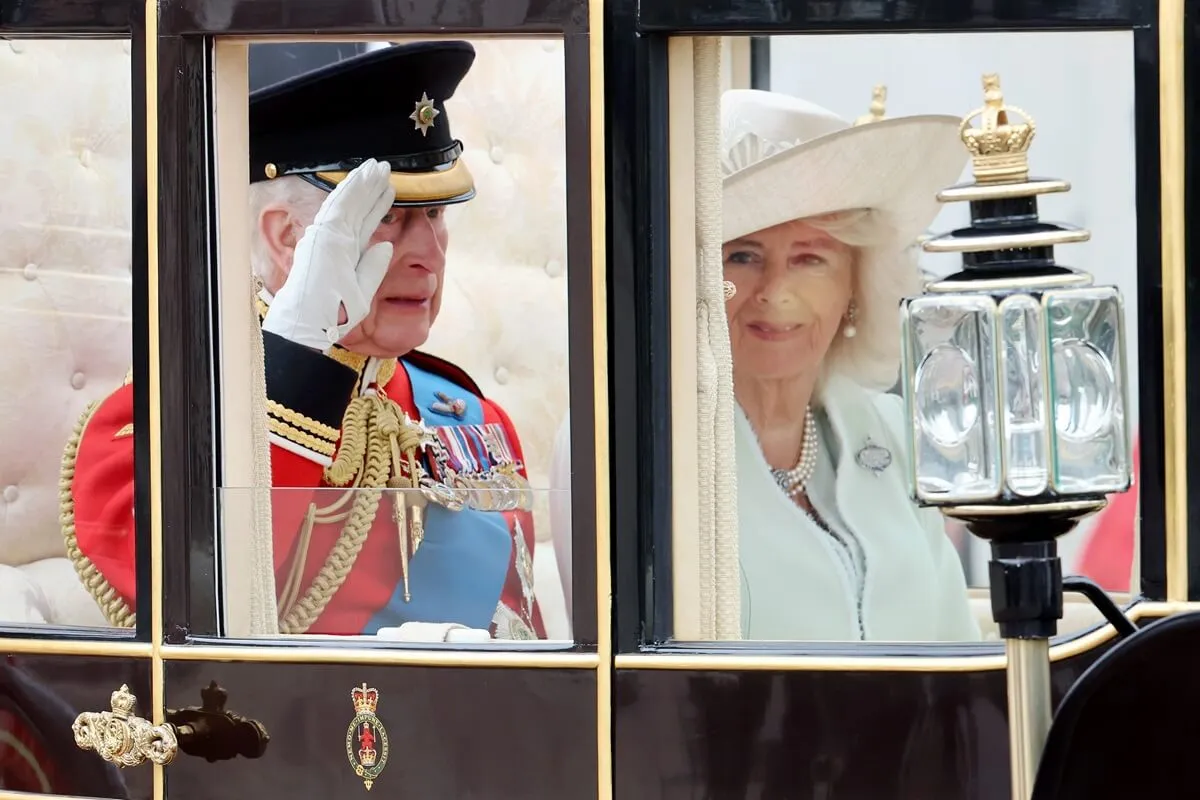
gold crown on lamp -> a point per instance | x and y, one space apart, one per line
365 700
878 106
999 149
123 702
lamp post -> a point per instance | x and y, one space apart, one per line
1016 397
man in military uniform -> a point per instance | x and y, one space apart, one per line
351 167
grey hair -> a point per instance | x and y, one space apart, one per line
882 278
294 193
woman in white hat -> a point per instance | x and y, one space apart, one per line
820 223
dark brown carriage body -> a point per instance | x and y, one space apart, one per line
616 727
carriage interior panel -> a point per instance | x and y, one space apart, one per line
66 262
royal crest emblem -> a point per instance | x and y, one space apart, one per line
366 738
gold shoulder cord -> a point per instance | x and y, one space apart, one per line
379 446
377 440
116 611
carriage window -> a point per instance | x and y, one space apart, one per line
817 200
396 213
66 262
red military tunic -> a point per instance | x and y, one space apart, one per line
301 385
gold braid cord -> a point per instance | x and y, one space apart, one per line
375 432
116 610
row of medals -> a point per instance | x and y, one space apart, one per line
497 486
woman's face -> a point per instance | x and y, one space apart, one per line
794 283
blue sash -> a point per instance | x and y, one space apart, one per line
459 570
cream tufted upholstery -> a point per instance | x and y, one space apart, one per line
64 277
65 295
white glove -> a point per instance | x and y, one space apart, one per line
434 632
333 268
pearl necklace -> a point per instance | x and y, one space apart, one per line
793 481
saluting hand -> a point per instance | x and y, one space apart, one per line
334 273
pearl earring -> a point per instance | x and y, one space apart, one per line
730 290
850 330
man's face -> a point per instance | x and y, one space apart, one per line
408 300
410 296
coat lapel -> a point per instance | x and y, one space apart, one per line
788 570
875 505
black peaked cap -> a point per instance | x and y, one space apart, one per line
388 104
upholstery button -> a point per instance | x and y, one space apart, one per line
501 375
554 268
30 272
16 47
11 493
549 47
79 380
85 157
126 47
496 154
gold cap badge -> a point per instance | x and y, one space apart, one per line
423 114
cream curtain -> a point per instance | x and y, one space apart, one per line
245 497
264 615
720 587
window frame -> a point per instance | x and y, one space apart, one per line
639 126
124 20
188 236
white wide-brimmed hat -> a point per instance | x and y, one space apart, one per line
784 158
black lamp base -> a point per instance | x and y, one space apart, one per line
1025 573
1027 602
1026 588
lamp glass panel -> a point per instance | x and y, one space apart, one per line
1022 368
952 391
1084 328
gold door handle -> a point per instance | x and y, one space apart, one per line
209 732
121 737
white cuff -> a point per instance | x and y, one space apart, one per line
434 632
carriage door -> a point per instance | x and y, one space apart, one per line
74 278
716 694
278 622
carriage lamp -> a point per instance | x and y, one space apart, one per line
1016 399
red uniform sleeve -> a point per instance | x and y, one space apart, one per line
98 472
513 595
97 507
98 513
